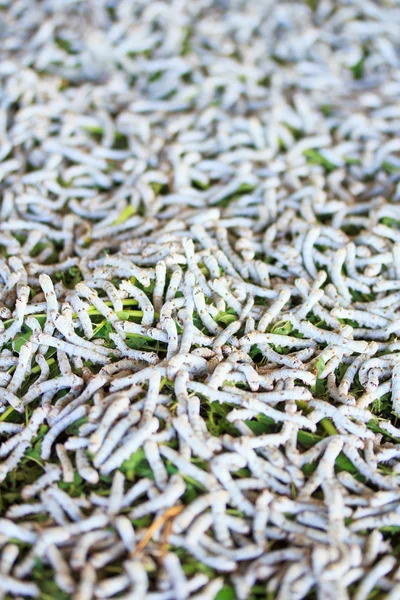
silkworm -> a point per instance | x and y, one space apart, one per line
51 475
86 583
114 437
83 467
116 493
55 431
131 443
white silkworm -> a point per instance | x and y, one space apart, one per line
151 398
137 490
19 313
25 356
14 586
62 574
58 428
83 467
177 576
114 437
216 562
220 525
157 466
119 405
330 337
116 493
273 311
94 299
52 474
79 552
158 292
396 388
81 311
309 240
197 445
64 326
187 516
261 517
139 377
112 585
188 332
191 363
176 487
86 584
131 443
138 576
67 504
201 307
174 283
51 304
144 303
13 459
222 290
72 349
309 303
385 565
186 468
12 530
126 532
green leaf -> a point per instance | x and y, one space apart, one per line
200 185
242 189
315 158
103 330
326 110
282 328
137 464
328 426
226 318
22 338
70 277
74 428
121 142
73 489
44 577
307 440
226 593
389 222
389 168
344 464
358 68
374 426
125 214
320 365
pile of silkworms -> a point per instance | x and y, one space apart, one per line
199 299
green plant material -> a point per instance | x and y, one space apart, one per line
329 426
358 69
282 328
74 428
125 215
226 593
43 576
6 413
320 365
389 222
226 318
22 338
137 465
315 158
245 188
75 488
